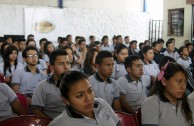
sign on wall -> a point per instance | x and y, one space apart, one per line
43 23
190 1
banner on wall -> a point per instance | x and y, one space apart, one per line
43 23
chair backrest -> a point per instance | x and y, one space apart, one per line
27 120
23 100
138 116
126 119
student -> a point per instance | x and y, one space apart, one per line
9 103
104 86
82 49
133 85
82 108
171 50
92 39
119 39
157 51
121 52
10 63
69 39
168 104
132 48
48 49
63 42
41 43
184 58
127 41
189 47
89 67
147 42
98 46
46 99
30 36
161 41
26 79
21 47
31 42
149 65
3 47
105 44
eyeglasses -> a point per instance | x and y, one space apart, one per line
32 56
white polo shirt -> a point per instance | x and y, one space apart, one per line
151 69
175 55
119 70
184 62
104 116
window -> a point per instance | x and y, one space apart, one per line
176 22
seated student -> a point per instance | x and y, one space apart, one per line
46 99
10 63
82 49
89 67
105 44
189 47
168 104
48 49
9 104
82 108
171 50
104 86
132 48
133 86
161 41
121 52
26 79
184 58
157 48
41 43
149 65
21 47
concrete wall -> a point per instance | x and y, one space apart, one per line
173 4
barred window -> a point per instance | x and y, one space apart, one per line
176 22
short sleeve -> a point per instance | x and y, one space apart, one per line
150 111
9 92
122 86
16 77
43 65
39 97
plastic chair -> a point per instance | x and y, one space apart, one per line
138 116
126 119
23 100
27 120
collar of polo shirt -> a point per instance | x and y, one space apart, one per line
28 70
50 79
72 114
130 80
118 62
185 59
101 80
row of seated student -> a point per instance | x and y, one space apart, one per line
104 66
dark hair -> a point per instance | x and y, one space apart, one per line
3 47
119 36
81 40
188 44
29 41
21 40
89 58
158 88
54 54
129 60
119 48
105 37
69 47
169 42
155 43
164 60
144 50
181 49
91 37
45 48
30 35
42 40
126 37
140 45
24 53
133 41
6 60
68 36
192 56
69 79
62 40
160 40
101 55
77 37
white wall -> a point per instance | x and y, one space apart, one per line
173 4
128 5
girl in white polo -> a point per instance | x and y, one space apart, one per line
168 104
82 108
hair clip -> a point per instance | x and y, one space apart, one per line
161 73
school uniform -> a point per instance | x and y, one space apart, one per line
184 62
12 68
41 65
159 111
119 70
108 91
157 57
134 91
174 54
7 98
47 97
26 80
45 58
151 69
19 57
107 48
104 116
